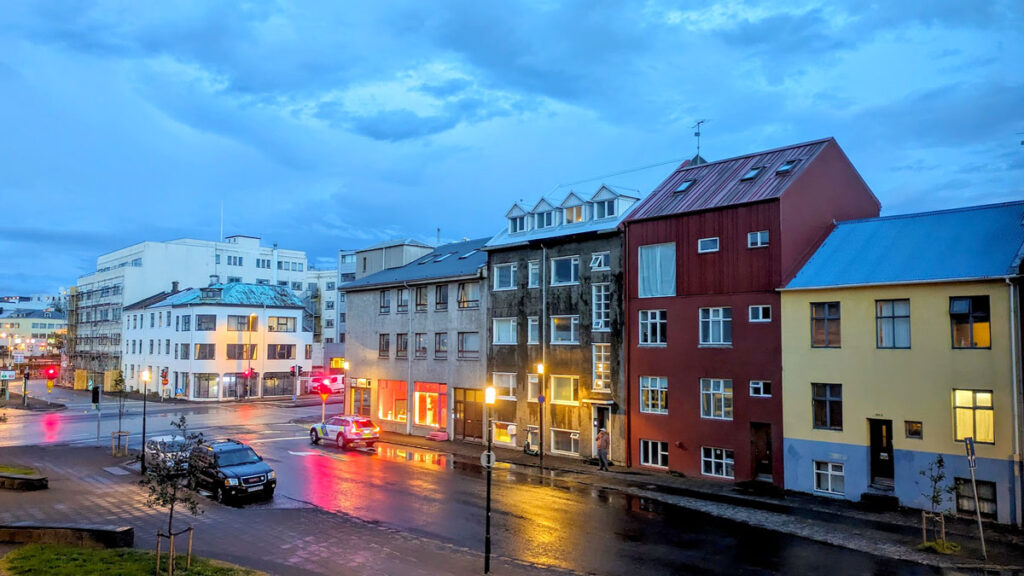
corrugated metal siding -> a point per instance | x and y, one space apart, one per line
718 184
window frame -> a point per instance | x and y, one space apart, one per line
655 401
881 319
601 309
727 460
647 450
829 473
716 399
496 285
754 239
824 321
760 388
603 260
971 314
441 303
704 245
507 389
533 329
574 270
574 330
465 303
711 321
384 302
513 331
384 346
574 390
422 304
440 345
665 267
533 274
827 399
655 326
974 408
761 318
601 364
464 353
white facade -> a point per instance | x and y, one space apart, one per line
321 299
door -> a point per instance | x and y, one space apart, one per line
761 450
880 432
469 408
602 418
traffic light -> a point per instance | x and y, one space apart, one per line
95 394
163 377
51 372
293 371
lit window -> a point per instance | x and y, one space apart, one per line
973 415
505 384
654 394
914 428
565 329
565 389
969 318
574 214
602 354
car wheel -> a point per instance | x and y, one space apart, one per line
314 438
270 494
341 442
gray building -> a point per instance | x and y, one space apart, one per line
555 324
416 341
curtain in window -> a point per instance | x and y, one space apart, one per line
657 270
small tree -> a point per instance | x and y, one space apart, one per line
122 397
937 494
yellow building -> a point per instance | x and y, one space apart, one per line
901 340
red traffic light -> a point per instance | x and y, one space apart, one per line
51 372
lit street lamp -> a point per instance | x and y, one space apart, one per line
145 377
489 396
540 400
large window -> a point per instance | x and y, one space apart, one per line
206 322
654 394
653 327
205 386
469 345
401 345
565 389
565 329
403 300
716 398
440 345
657 270
716 326
385 301
533 274
974 415
532 387
825 331
716 462
280 351
241 351
421 298
441 297
204 352
384 345
504 384
392 400
505 276
505 331
431 404
250 323
602 367
827 403
986 498
969 319
469 295
565 441
602 307
565 270
829 477
892 322
653 453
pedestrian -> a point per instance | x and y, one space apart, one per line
602 449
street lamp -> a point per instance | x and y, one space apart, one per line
248 370
540 400
489 396
145 377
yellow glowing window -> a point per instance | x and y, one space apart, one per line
970 319
974 415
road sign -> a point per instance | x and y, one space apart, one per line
969 446
89 385
487 459
19 358
540 398
8 374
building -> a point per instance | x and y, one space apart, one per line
31 332
900 339
415 343
334 338
221 342
138 271
706 253
321 301
555 301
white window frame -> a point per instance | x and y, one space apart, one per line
716 400
511 323
545 219
533 274
601 307
516 224
532 387
504 384
659 386
716 315
828 473
575 209
601 261
574 388
649 451
756 313
708 455
574 330
662 270
602 364
653 319
706 245
498 268
533 330
758 239
601 209
574 270
574 439
757 388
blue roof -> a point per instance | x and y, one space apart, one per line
447 261
978 242
233 294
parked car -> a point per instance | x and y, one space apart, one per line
231 470
170 450
346 431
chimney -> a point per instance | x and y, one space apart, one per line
174 286
214 279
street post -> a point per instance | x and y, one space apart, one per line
969 446
540 402
487 458
145 376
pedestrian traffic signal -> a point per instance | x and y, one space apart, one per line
51 372
96 395
294 371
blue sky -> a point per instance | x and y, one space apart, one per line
336 125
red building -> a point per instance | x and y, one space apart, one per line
705 253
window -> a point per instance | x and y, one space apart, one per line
296 286
683 186
565 441
969 318
329 305
602 307
167 346
204 352
281 324
469 345
545 219
829 477
385 301
532 387
440 345
280 351
604 209
565 389
600 261
504 330
505 385
654 394
421 345
533 330
825 331
573 214
986 498
716 399
760 313
505 276
892 322
760 389
716 462
240 323
421 298
752 173
403 301
241 351
705 245
653 453
441 297
565 329
152 319
716 326
827 403
401 345
602 367
657 269
151 346
787 166
973 415
653 327
384 346
516 224
183 351
565 270
914 428
234 279
330 286
757 239
469 295
533 274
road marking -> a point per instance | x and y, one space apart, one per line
303 453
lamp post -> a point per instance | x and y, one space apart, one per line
540 400
145 377
248 370
489 396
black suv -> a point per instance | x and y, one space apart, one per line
230 469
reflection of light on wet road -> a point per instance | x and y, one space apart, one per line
404 454
51 427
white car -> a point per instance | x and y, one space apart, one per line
168 449
346 431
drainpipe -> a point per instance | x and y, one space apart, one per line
410 391
543 345
1014 357
624 355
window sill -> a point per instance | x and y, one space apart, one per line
512 398
826 347
715 418
503 289
565 284
665 413
573 343
829 429
564 403
601 330
504 343
656 345
760 395
715 346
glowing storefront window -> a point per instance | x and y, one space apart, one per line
392 400
431 404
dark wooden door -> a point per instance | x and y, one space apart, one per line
469 409
761 449
881 452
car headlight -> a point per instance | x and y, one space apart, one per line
272 475
231 481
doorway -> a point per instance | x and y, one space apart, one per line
469 409
602 419
761 450
880 432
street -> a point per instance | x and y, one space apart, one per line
553 521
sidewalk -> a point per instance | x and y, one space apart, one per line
838 522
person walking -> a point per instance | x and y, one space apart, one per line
602 448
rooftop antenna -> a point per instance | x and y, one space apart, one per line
697 133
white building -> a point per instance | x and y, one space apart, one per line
138 271
221 342
321 300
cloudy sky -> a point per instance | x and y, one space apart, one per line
333 125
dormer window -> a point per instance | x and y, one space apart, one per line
604 209
684 186
574 214
210 293
517 224
546 219
752 173
787 166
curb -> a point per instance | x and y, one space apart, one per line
23 482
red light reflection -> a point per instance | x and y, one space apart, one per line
51 425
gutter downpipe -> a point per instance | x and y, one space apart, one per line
543 345
410 391
624 353
1014 357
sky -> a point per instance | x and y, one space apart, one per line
334 125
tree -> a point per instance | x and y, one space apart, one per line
122 398
938 491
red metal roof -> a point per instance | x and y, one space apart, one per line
718 184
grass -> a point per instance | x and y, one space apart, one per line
4 469
74 561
